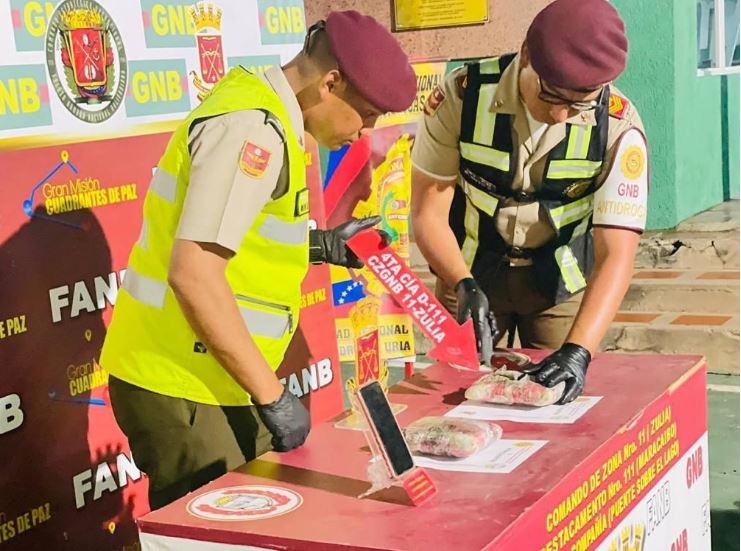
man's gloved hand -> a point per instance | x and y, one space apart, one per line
331 245
472 303
287 420
569 364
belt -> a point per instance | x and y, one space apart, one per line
519 253
524 197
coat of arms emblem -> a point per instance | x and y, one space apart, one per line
86 60
207 20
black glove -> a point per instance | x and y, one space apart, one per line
288 421
569 364
331 245
472 303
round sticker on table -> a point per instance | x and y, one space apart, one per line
244 503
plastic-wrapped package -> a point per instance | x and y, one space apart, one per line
513 387
449 436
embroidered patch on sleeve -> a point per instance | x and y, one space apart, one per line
633 161
434 101
622 200
254 160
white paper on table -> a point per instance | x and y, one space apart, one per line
566 414
500 457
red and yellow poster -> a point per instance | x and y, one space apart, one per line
89 93
374 177
388 196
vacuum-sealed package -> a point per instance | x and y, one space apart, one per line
508 387
449 436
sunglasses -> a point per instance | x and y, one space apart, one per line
308 41
554 99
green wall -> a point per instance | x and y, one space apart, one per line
692 122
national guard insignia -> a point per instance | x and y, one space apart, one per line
618 106
434 100
632 162
207 21
86 60
577 189
254 160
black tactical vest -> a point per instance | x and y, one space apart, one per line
488 162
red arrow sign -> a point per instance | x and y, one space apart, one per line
455 344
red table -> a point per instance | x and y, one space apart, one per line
631 474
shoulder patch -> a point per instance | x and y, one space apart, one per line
618 106
622 199
434 100
253 161
633 161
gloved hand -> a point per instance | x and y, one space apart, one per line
331 245
569 364
287 420
472 303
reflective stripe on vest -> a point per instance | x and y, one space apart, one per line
164 185
570 272
145 289
483 131
287 233
480 199
266 324
489 66
261 323
573 168
570 213
143 235
471 243
481 150
485 156
582 228
579 138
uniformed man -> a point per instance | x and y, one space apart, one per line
540 166
211 296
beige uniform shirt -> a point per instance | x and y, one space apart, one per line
523 225
223 200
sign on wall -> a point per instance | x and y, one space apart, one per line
424 14
136 65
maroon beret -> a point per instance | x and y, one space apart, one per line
578 44
372 60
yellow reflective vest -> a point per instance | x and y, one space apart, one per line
149 342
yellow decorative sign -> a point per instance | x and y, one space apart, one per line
429 75
390 195
424 14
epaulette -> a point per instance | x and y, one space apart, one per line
618 106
